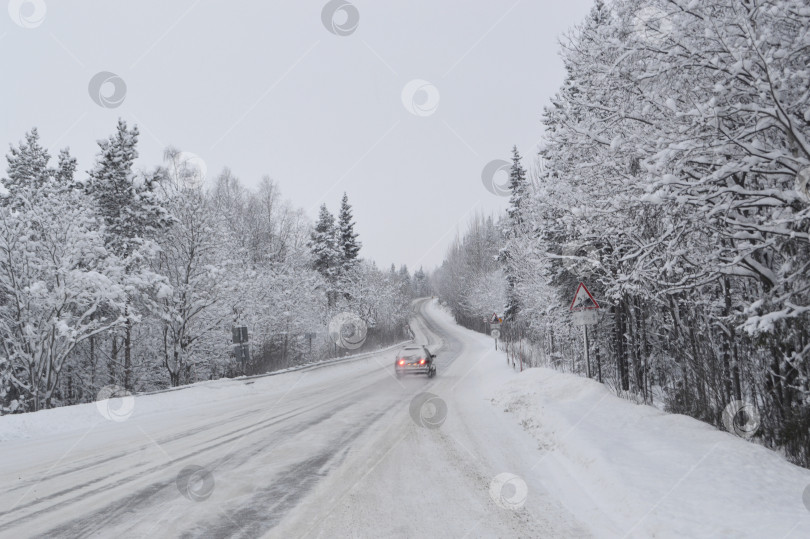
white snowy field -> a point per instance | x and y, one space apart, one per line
346 450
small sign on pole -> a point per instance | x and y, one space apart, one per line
241 346
584 313
495 328
585 318
240 334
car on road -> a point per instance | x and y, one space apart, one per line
415 359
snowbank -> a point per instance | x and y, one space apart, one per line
657 474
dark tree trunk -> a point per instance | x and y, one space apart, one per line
621 357
128 355
111 364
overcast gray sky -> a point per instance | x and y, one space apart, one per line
263 87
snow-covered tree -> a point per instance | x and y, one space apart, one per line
188 260
126 200
132 215
347 237
324 245
471 279
513 228
669 183
518 194
27 166
421 285
127 263
60 286
66 170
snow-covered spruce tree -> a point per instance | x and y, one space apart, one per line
132 215
513 228
66 170
126 200
518 193
349 248
28 171
347 237
27 167
421 286
327 256
58 283
405 280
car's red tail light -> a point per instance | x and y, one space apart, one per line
421 361
402 362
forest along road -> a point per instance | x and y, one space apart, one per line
339 451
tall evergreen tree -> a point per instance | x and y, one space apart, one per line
29 176
513 229
420 284
126 203
324 245
65 169
131 212
519 187
405 284
27 166
347 237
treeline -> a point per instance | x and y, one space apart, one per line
135 279
673 181
471 281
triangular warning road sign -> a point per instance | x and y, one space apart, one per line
583 299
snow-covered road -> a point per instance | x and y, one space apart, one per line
349 450
321 453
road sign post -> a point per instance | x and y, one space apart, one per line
587 351
584 313
495 328
241 346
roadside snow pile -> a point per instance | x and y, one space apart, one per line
657 474
116 409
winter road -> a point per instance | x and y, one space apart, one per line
336 451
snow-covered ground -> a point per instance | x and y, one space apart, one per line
349 450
